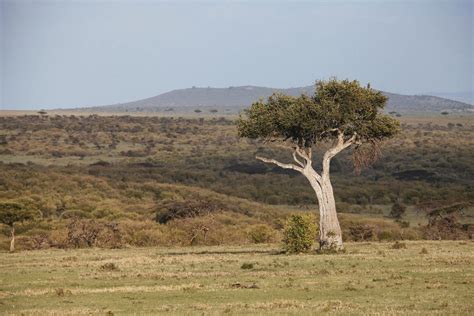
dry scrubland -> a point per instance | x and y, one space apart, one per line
162 183
426 277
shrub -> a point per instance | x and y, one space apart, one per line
75 214
299 233
145 238
109 266
58 238
184 209
403 224
361 232
89 233
246 266
59 291
386 235
447 227
398 210
410 234
399 245
261 234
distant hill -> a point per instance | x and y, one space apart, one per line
236 98
463 96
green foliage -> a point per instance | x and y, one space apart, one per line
336 107
398 209
11 213
184 209
299 233
246 266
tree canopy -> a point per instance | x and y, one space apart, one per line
11 213
337 108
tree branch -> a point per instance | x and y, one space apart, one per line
350 141
280 164
304 155
315 175
333 151
340 145
296 159
328 131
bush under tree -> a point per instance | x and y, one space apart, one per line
299 234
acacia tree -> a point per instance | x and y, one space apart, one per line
11 213
341 112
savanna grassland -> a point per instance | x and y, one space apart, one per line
419 277
161 214
151 181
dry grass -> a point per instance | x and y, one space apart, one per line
370 278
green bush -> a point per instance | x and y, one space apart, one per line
398 210
246 266
300 233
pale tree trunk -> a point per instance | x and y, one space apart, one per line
330 234
12 242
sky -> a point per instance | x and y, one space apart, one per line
84 53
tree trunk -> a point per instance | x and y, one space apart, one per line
12 242
330 235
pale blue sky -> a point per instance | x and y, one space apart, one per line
82 53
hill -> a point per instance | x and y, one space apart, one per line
462 96
237 98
